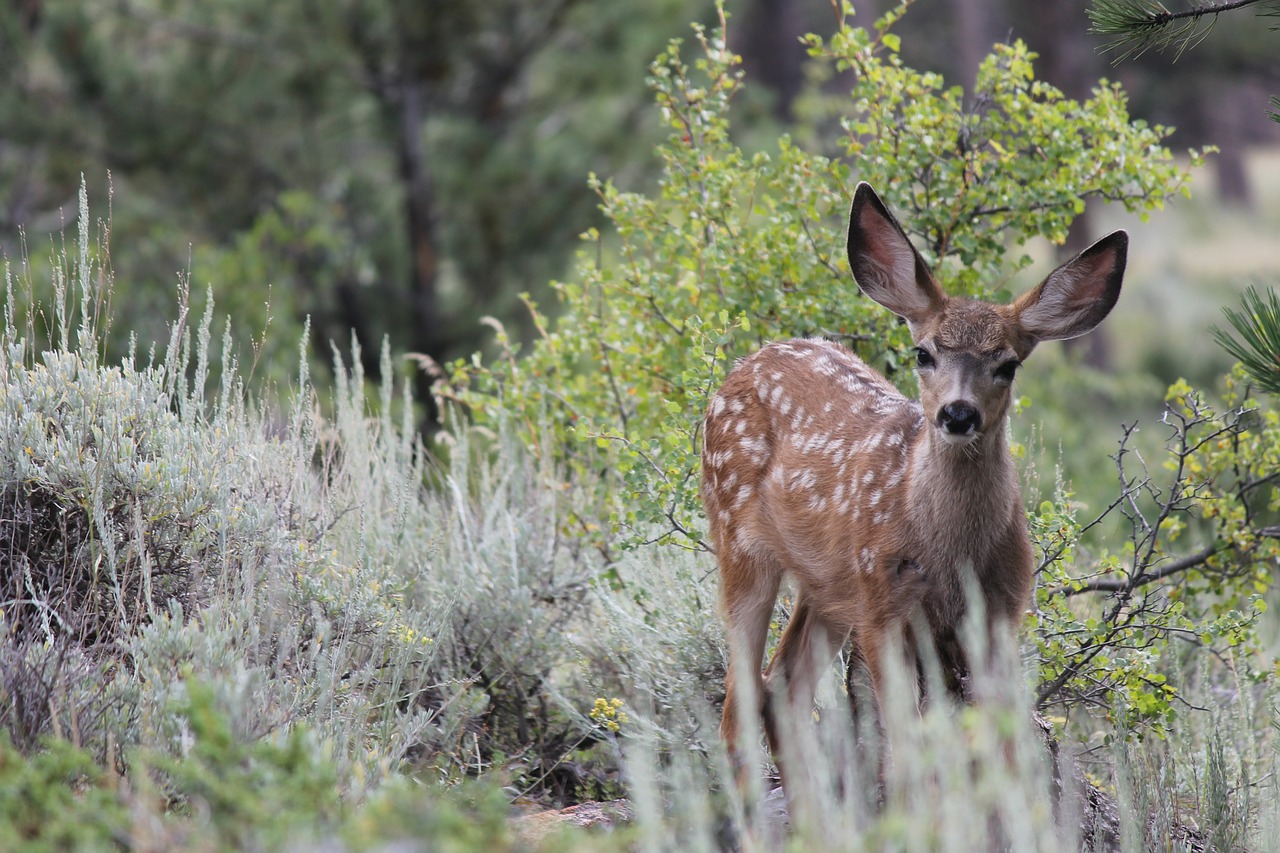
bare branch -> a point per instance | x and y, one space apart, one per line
1138 581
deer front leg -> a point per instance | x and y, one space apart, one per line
954 662
885 625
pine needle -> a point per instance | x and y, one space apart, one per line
1140 25
1258 347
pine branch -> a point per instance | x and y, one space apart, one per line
1258 347
1140 25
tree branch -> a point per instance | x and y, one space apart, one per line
1140 580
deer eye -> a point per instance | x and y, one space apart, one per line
923 358
1006 371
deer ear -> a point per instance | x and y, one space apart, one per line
888 268
1078 295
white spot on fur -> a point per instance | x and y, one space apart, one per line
805 478
815 442
717 405
895 478
852 384
756 447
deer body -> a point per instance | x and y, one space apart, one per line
815 466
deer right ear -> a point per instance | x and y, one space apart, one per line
1078 295
887 267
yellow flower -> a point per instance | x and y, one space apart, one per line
608 713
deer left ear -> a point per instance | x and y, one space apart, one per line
885 264
1078 295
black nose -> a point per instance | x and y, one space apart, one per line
959 418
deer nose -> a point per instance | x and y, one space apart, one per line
959 418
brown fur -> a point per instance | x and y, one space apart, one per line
815 466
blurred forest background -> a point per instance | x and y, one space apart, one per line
399 168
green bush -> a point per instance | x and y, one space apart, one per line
57 799
224 793
1192 556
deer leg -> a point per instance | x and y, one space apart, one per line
955 666
749 590
806 648
857 683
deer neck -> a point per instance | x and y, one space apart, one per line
960 496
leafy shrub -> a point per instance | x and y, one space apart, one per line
226 793
1218 489
57 799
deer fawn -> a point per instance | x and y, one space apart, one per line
814 465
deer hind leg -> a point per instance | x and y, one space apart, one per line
807 647
749 590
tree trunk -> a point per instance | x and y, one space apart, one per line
772 53
1225 115
975 34
419 202
1059 32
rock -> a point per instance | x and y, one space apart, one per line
603 817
